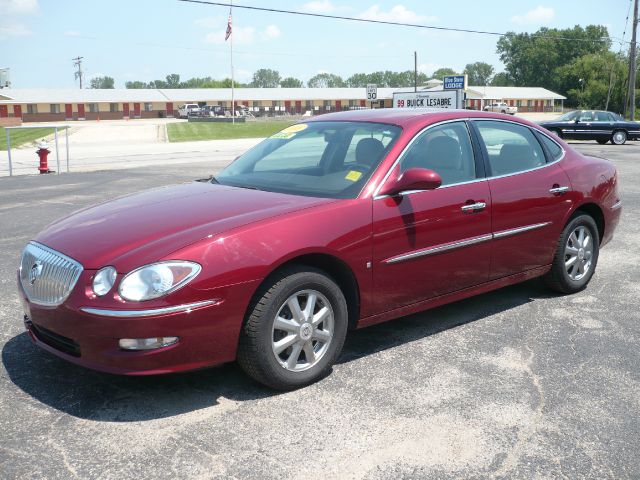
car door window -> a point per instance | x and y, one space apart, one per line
587 117
445 149
511 148
603 117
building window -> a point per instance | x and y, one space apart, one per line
275 103
223 104
93 108
148 107
54 108
518 103
529 103
113 107
256 104
32 108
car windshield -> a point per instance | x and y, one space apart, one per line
316 159
569 116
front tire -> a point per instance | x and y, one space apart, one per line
619 137
295 330
576 256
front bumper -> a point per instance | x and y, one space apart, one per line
208 332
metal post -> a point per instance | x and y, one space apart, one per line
415 71
9 152
632 65
66 145
57 153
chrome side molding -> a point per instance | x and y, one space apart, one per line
463 243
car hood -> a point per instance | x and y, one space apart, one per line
145 227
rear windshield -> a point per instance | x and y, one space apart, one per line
317 159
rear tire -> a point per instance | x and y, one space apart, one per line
576 256
619 137
295 330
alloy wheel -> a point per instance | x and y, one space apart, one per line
302 330
578 253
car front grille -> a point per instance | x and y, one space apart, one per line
47 276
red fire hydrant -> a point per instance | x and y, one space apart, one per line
43 152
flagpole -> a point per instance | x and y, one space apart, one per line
233 103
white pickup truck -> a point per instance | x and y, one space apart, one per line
189 109
501 107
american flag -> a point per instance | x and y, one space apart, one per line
228 34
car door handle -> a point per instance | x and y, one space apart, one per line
473 207
559 190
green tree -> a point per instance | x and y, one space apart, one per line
173 81
533 59
266 78
136 84
501 79
326 80
480 73
102 82
444 72
291 82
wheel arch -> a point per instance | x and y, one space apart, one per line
594 211
335 268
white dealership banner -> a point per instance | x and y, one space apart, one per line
440 99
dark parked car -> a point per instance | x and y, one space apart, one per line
343 221
595 125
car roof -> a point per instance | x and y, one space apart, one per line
405 116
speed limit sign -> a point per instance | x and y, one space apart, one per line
372 92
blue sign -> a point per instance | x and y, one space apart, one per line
455 82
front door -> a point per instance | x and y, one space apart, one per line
4 111
298 107
169 109
136 110
125 110
428 243
81 110
17 111
68 111
530 197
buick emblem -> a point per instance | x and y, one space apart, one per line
35 272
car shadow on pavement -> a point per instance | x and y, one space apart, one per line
99 396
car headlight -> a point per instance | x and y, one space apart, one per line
104 280
156 280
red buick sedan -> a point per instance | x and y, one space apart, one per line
343 221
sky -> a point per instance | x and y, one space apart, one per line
148 39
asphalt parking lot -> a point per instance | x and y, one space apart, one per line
517 383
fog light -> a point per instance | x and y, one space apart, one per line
146 343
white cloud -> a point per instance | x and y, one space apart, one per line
538 16
319 6
8 30
398 13
18 7
241 36
272 32
210 22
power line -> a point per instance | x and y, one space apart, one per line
388 22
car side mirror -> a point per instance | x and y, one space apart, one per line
412 179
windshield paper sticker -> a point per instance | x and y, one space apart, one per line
290 132
353 176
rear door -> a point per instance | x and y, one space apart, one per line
528 195
429 243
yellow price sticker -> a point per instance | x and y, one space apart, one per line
353 176
291 131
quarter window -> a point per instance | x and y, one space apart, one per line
511 148
445 149
554 149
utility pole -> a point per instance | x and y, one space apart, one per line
415 71
632 64
77 62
